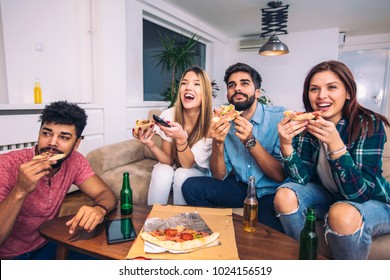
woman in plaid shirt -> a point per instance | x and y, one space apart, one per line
335 164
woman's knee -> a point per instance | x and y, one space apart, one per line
182 174
285 201
161 169
344 218
162 173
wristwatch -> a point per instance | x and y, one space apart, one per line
250 143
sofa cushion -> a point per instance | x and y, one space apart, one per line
140 173
118 154
156 138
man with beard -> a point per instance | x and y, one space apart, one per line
247 146
32 190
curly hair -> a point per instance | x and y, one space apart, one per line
62 112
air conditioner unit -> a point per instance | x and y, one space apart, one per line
251 44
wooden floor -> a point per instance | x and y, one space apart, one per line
72 202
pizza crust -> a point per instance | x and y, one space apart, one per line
300 116
181 246
46 155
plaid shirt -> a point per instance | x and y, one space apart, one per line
357 173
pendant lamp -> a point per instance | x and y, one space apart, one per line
274 22
273 47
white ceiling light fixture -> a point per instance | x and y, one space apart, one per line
274 22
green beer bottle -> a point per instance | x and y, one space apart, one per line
308 242
126 196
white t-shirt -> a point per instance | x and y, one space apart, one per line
201 149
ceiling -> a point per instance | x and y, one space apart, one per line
241 18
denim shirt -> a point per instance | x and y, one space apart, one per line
239 160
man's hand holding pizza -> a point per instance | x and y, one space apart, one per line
30 173
243 129
219 130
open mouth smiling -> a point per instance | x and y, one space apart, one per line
324 106
189 96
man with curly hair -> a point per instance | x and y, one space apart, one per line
33 189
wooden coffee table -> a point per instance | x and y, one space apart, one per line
263 244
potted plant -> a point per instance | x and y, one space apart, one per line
176 58
263 99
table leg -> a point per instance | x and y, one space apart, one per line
62 252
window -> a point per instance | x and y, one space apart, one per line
157 82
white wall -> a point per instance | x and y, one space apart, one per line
48 39
283 76
109 49
114 86
3 73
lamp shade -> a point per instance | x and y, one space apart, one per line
273 47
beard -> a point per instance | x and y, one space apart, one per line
242 105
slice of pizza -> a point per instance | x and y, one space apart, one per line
179 238
143 124
227 112
302 116
50 156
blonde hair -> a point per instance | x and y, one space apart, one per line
203 123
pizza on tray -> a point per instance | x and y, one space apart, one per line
179 238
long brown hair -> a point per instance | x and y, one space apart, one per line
352 109
203 123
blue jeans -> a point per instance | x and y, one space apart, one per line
229 193
48 252
375 214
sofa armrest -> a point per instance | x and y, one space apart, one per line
114 155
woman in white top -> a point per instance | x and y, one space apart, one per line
186 147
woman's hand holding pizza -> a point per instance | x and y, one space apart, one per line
287 130
294 123
326 132
145 135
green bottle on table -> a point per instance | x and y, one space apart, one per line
126 195
308 241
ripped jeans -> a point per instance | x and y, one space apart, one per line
375 214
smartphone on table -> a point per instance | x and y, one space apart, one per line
120 230
159 120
